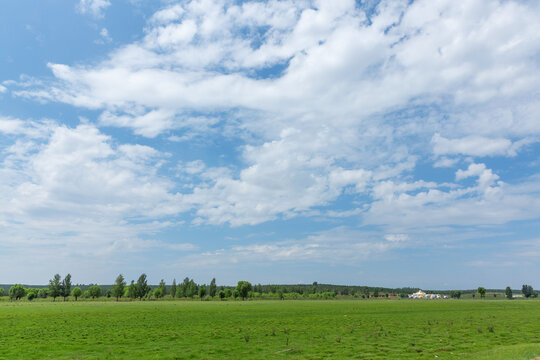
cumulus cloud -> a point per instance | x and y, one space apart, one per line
75 186
326 99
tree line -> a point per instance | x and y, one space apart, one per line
188 288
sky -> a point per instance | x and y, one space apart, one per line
383 143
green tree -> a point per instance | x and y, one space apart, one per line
66 286
376 293
213 288
191 289
2 292
43 293
221 294
94 291
158 293
182 289
131 291
76 292
228 293
31 294
482 292
508 292
163 287
173 288
141 287
17 292
202 291
527 290
118 288
243 288
55 287
365 292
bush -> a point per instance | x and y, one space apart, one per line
31 294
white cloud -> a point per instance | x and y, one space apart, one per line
471 145
76 187
3 89
93 7
397 237
334 246
326 123
104 37
445 162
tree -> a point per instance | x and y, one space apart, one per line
2 292
31 294
365 291
508 292
376 293
455 294
158 293
94 291
482 292
202 291
141 287
181 291
243 288
213 288
66 286
17 292
221 294
228 293
131 291
527 290
173 288
118 288
43 293
191 289
163 287
76 292
55 287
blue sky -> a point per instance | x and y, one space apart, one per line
382 143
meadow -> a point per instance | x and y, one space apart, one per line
355 329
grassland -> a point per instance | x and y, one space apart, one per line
400 329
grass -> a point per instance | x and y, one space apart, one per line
401 329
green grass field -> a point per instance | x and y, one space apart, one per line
399 329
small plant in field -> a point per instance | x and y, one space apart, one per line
287 341
338 339
286 331
479 330
491 328
273 332
246 337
